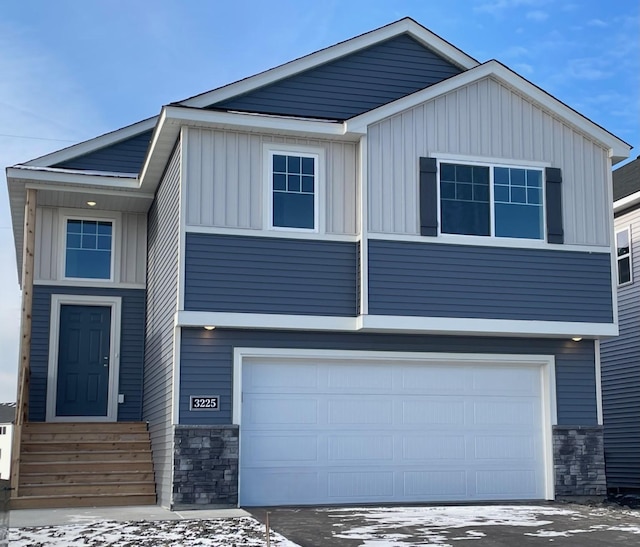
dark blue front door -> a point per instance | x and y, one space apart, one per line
83 361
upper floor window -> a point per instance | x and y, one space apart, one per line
294 189
495 201
88 249
623 252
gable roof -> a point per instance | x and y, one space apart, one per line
626 180
408 26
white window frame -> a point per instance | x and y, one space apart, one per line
57 301
318 154
628 255
491 164
64 218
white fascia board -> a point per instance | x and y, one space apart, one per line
618 149
397 324
91 145
65 176
129 193
331 53
626 202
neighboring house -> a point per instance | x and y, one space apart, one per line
621 355
353 278
7 416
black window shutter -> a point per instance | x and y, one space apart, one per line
555 233
428 197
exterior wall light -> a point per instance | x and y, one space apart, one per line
209 327
577 338
91 203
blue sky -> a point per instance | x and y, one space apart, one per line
73 70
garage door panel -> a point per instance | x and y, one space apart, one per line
270 450
360 410
282 411
441 412
433 447
434 380
504 447
268 378
426 484
505 412
370 485
359 448
339 442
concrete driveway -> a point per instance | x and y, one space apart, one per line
560 525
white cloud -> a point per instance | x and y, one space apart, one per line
497 7
537 15
597 23
39 100
523 68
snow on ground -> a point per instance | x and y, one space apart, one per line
235 532
381 526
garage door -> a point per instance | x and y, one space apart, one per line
326 431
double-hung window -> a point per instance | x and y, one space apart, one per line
293 178
623 253
88 249
491 200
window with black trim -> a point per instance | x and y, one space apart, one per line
488 200
294 182
88 249
623 253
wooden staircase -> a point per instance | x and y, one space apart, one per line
84 465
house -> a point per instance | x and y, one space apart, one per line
620 357
377 273
7 416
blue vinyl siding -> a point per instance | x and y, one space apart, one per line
270 275
351 85
437 280
162 303
131 348
122 157
206 363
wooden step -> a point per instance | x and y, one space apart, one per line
74 477
83 436
103 455
71 501
87 466
84 427
93 489
88 446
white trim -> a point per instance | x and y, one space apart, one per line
629 255
486 241
115 304
269 149
490 161
79 189
363 205
96 143
612 245
175 384
182 216
545 362
598 373
617 147
259 232
88 283
68 177
628 201
94 216
394 323
420 33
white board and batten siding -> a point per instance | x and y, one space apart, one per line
130 246
333 431
485 120
226 180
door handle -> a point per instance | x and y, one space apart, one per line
106 361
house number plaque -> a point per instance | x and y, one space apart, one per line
204 402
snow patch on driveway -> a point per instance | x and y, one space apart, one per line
244 531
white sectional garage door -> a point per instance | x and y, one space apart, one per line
326 431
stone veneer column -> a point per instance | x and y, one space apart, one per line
205 465
578 454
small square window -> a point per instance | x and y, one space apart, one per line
88 249
294 185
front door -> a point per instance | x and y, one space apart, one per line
83 361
